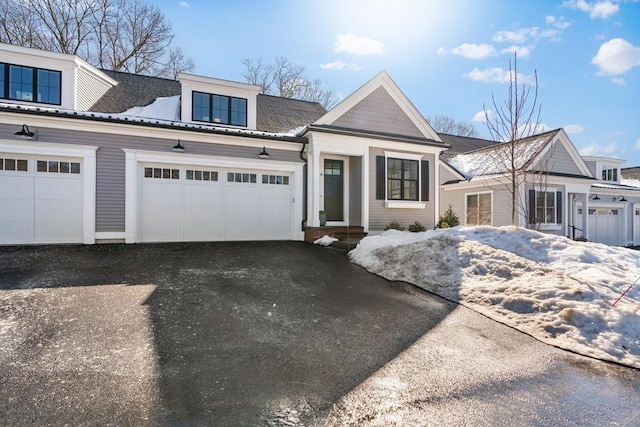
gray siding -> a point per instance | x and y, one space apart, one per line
446 175
501 202
592 168
378 112
110 163
355 191
560 161
379 216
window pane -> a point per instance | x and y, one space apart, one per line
238 111
238 177
484 211
265 179
472 209
42 166
21 83
198 175
201 107
49 86
411 169
230 176
166 173
157 173
394 168
64 167
285 180
220 109
205 175
252 178
75 167
394 189
2 68
53 166
410 190
214 176
189 174
9 164
148 173
175 173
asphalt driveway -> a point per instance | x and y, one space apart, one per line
269 333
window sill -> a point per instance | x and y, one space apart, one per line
404 204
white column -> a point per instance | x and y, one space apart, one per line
585 215
313 180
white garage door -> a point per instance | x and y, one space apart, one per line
180 203
41 199
605 225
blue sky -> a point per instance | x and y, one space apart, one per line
448 57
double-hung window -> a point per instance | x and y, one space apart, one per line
222 109
545 206
402 180
22 83
609 173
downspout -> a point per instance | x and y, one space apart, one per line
305 159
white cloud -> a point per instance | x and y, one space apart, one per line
358 45
573 129
527 34
619 81
558 23
518 36
496 75
598 150
638 144
184 4
470 50
600 9
617 56
480 116
522 51
341 65
528 129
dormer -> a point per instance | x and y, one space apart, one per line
218 102
40 78
605 169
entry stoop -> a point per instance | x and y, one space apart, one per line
351 233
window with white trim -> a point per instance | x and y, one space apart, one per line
610 173
22 83
18 165
275 179
201 175
478 208
402 179
54 166
162 173
545 206
212 108
241 177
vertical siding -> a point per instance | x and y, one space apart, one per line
110 163
379 216
89 90
378 112
355 191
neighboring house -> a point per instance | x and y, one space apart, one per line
89 155
557 187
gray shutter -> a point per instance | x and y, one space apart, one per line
532 206
424 185
559 207
381 173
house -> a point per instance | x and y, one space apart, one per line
556 188
89 156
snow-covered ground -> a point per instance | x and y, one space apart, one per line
557 290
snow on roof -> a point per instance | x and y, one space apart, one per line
555 289
630 182
493 160
142 119
167 108
622 186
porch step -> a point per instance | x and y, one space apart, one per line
312 234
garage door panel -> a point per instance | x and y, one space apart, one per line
58 210
16 187
202 212
16 232
202 231
16 210
57 231
161 192
58 188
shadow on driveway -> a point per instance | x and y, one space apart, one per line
246 333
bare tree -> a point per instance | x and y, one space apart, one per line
120 35
286 79
516 118
451 126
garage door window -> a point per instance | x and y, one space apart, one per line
241 177
162 173
275 179
58 167
13 165
201 175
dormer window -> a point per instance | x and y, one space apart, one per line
18 83
226 110
609 173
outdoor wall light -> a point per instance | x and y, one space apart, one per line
263 154
25 133
179 148
594 197
619 199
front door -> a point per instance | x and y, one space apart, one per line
334 189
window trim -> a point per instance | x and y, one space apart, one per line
403 204
477 193
229 110
611 170
34 83
557 208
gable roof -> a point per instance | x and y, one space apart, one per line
373 106
631 173
529 151
463 144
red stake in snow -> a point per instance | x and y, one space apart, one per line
625 292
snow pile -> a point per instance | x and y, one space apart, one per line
630 182
325 240
167 108
557 290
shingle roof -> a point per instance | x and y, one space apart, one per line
276 114
134 91
463 144
631 173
